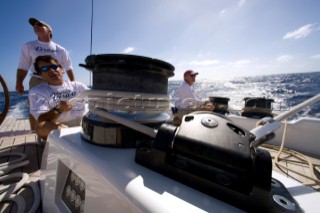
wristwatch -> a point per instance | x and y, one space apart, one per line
56 111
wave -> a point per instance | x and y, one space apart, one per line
287 90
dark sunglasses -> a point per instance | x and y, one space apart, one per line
193 76
47 68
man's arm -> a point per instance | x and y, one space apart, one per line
47 122
53 114
21 75
50 116
70 75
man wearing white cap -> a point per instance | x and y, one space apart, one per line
186 99
31 50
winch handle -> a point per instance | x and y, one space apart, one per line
87 67
126 122
272 124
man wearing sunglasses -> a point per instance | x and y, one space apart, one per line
49 101
42 46
187 100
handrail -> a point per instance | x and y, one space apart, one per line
7 100
297 108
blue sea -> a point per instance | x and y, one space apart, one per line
287 90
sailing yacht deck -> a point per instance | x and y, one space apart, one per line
296 166
16 136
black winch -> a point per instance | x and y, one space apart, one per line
132 73
130 86
257 107
100 131
214 155
220 104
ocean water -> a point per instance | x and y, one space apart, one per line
287 90
18 104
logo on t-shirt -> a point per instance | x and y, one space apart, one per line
57 96
44 50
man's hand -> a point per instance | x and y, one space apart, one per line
20 88
61 126
208 106
21 74
64 106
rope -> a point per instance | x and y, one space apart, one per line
301 159
6 167
7 191
21 204
36 195
125 101
257 110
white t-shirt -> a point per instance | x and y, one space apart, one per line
31 50
186 97
44 97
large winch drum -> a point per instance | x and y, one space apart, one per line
133 87
132 73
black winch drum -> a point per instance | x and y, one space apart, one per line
143 81
132 73
257 107
220 103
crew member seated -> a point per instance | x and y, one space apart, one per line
186 99
49 102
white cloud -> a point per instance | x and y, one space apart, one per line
222 12
315 57
284 58
242 62
302 32
128 50
204 62
241 3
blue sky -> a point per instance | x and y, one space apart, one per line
218 38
